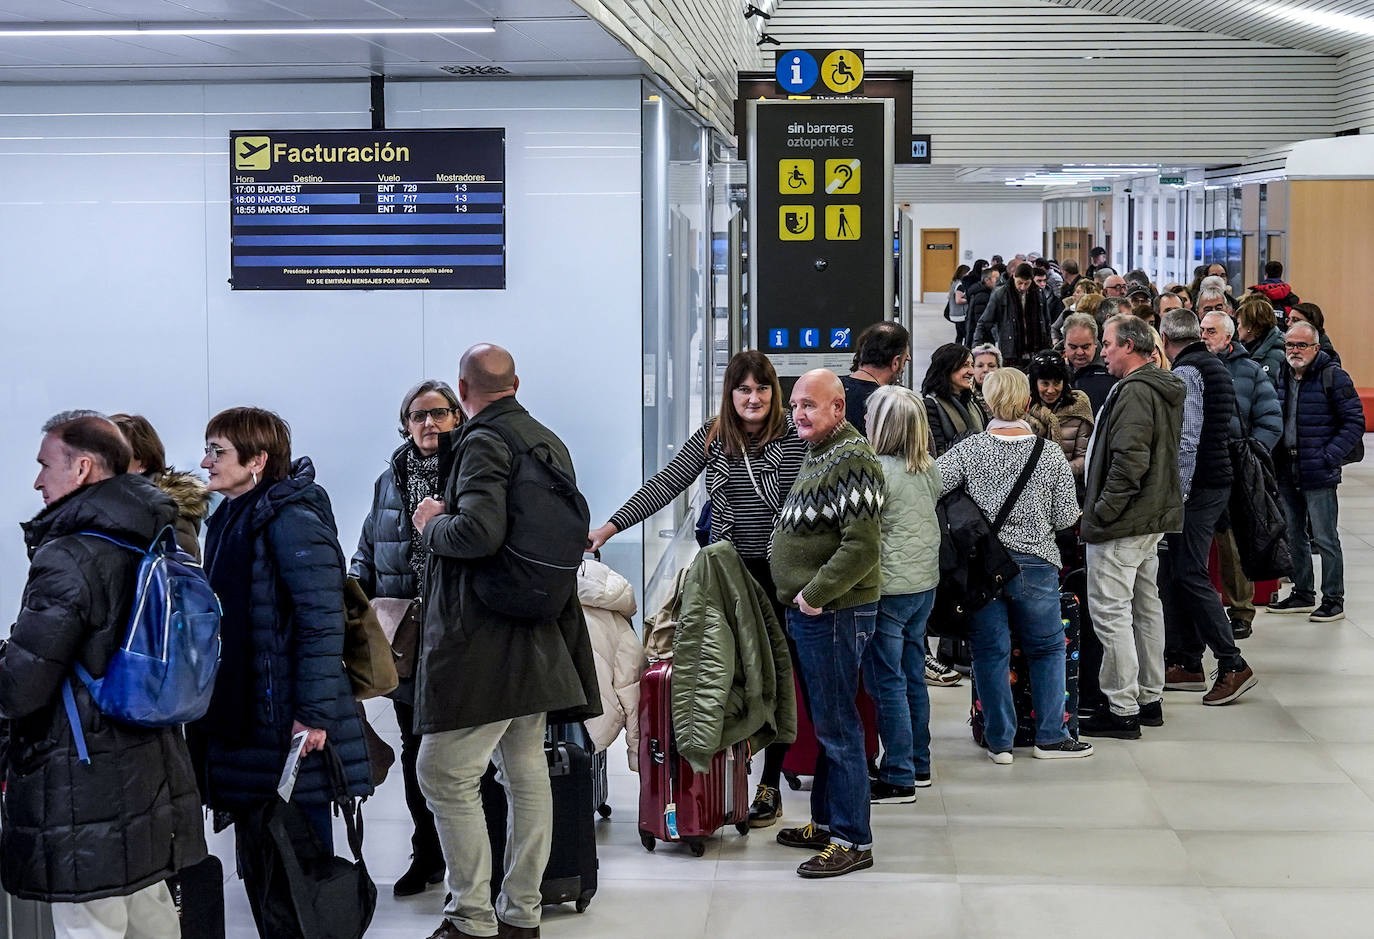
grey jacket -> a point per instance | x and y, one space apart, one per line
1256 398
910 560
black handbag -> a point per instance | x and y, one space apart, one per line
307 892
974 564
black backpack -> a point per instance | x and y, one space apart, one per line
1356 454
535 573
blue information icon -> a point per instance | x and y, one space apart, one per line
810 338
777 339
839 338
797 71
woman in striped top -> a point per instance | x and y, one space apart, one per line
751 455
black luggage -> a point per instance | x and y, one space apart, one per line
1090 696
578 778
198 892
1019 676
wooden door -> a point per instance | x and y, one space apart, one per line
939 258
1073 243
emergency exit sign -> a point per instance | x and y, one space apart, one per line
1173 181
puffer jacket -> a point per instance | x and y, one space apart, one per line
1213 468
1328 426
381 564
732 674
910 559
296 633
978 295
193 504
1256 398
608 602
1133 487
1268 352
71 832
1074 414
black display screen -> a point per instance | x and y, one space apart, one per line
367 209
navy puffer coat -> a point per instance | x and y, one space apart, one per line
1255 398
296 613
1328 426
382 562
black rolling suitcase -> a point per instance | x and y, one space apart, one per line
198 892
1019 676
578 777
1090 697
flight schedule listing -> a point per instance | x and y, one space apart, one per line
368 209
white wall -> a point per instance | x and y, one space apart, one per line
985 229
114 252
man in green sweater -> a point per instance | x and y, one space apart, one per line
824 560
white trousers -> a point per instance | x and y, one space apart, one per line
147 914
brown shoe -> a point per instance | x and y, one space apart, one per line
1230 686
1177 678
507 931
836 861
447 930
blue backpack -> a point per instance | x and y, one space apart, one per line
163 674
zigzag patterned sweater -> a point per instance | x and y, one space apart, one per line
828 537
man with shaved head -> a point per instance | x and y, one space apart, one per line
488 678
825 562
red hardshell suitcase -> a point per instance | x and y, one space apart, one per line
676 803
801 755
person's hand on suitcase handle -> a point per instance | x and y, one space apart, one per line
314 737
807 608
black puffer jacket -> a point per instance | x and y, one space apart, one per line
382 562
131 817
1213 470
296 635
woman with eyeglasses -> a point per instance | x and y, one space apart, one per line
751 455
390 562
273 558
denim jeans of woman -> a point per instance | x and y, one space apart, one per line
895 676
1030 606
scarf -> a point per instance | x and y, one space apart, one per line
421 483
229 565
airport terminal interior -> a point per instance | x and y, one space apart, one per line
309 207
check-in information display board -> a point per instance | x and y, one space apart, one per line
820 228
368 209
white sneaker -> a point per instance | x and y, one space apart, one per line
939 674
1001 759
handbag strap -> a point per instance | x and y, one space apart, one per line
348 804
1036 449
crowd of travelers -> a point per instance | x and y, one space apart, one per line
1094 417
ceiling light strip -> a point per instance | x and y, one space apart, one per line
78 32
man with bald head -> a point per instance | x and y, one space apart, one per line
489 678
825 562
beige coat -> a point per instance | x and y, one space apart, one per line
608 601
1073 422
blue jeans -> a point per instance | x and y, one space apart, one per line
1318 505
1030 605
829 650
894 668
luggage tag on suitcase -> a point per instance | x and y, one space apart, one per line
670 813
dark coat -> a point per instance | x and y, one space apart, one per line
296 613
382 562
1094 381
1213 467
1132 479
1018 333
1256 399
978 295
1328 426
131 817
478 666
1268 352
946 420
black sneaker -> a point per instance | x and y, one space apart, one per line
1328 612
1241 629
1066 749
885 793
808 836
1106 724
922 780
835 861
1152 714
767 807
1293 603
420 875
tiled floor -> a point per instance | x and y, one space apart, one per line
1253 821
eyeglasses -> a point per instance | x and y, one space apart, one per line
1299 346
434 414
214 452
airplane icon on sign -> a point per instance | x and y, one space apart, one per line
252 153
249 149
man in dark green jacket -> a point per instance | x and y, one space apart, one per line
1134 496
488 680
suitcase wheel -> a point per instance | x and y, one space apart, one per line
793 781
584 901
603 810
742 827
697 847
647 840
